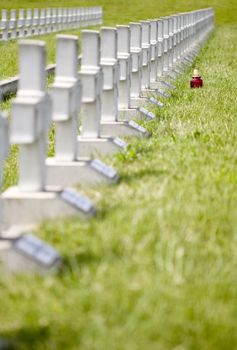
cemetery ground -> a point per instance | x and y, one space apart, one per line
156 269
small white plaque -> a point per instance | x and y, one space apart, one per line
147 113
169 84
74 198
163 93
104 169
136 126
188 59
119 142
156 102
36 250
177 71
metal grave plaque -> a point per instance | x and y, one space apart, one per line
104 169
147 113
169 84
74 198
187 59
177 71
163 93
36 250
155 101
119 142
171 75
136 126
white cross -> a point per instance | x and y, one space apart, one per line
66 96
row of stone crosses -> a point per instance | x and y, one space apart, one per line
30 22
122 72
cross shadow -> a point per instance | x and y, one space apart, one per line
25 338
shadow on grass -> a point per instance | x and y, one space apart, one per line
138 175
79 260
24 338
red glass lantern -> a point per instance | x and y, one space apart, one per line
196 81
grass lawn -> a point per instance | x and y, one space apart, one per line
157 268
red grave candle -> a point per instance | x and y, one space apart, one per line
196 81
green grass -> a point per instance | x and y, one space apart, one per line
156 269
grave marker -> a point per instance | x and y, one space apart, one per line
160 36
66 97
110 69
146 54
49 20
109 63
124 57
28 253
42 21
36 21
154 51
136 54
171 42
90 141
4 25
12 24
21 23
28 22
165 44
124 60
31 201
65 169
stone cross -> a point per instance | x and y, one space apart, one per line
59 18
85 17
171 41
36 21
64 18
30 116
77 17
92 80
13 24
48 20
42 21
4 25
154 50
146 54
165 44
21 23
54 19
110 68
66 98
185 19
178 40
175 38
124 59
190 29
136 55
160 37
28 22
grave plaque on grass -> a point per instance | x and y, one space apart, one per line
155 101
76 199
147 113
29 253
104 169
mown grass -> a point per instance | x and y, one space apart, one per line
156 269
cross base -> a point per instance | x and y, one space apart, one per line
67 174
33 207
